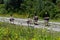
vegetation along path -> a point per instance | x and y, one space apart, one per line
55 26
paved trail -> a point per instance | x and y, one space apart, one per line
53 25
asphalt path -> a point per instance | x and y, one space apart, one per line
55 26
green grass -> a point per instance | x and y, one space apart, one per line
26 16
14 15
55 20
16 32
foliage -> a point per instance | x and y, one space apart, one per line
16 32
30 7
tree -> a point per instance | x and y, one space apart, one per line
1 1
13 4
54 1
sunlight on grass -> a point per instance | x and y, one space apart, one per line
14 15
20 16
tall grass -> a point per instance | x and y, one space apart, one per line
16 32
